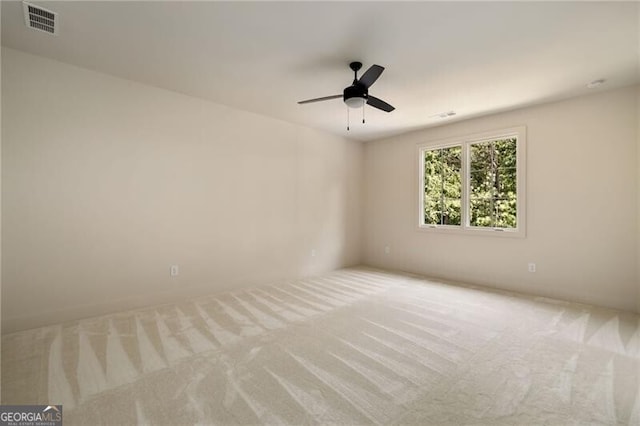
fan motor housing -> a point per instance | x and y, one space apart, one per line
353 94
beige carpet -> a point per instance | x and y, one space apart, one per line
356 346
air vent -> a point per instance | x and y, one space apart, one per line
445 114
40 19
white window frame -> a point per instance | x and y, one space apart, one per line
520 134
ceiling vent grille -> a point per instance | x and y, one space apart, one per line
40 19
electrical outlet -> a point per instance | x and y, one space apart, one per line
387 249
532 267
174 270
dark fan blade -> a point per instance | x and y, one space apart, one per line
326 98
379 103
371 75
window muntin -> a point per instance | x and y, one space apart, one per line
474 184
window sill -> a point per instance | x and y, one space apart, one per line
468 230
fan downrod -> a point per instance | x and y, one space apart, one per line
355 66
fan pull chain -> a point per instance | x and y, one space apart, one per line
347 119
363 111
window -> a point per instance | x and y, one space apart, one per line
474 184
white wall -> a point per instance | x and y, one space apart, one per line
0 207
638 167
638 188
582 207
107 182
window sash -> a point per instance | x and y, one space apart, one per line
494 196
441 160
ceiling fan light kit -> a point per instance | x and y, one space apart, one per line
354 101
357 95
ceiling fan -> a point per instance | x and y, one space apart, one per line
356 95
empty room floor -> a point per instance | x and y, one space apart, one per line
356 346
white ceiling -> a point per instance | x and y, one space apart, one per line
474 57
